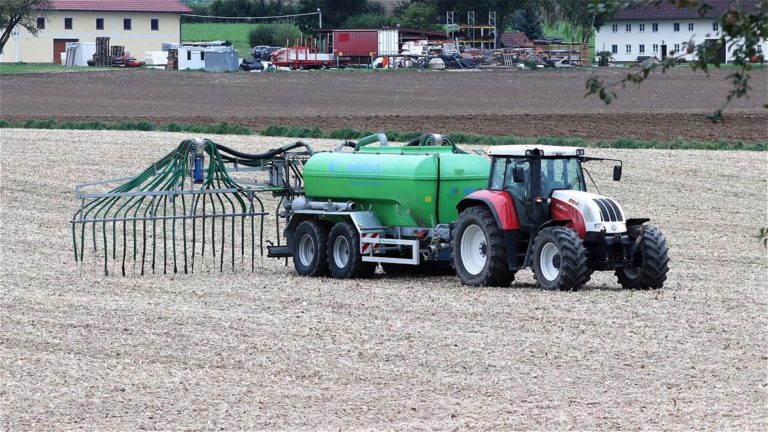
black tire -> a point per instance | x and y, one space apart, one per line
493 248
344 236
651 263
559 259
427 268
310 245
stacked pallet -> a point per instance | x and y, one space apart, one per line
173 60
117 51
102 56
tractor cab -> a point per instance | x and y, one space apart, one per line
531 174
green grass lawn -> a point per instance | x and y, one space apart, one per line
21 68
236 33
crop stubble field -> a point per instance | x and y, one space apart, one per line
270 350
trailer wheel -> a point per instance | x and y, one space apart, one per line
559 259
479 250
309 249
650 264
344 258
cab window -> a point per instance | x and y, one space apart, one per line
499 168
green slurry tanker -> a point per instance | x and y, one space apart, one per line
426 207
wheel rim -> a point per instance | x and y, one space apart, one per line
341 251
632 270
474 249
549 261
306 250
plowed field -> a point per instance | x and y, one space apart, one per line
529 104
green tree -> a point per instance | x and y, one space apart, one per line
22 13
578 14
744 28
418 15
504 9
261 34
370 20
527 21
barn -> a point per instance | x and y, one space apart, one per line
139 25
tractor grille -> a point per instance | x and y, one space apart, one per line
609 210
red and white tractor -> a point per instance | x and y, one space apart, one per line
536 212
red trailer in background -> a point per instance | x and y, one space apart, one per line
302 57
356 43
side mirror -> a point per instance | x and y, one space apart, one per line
518 174
616 172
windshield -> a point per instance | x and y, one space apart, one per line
557 173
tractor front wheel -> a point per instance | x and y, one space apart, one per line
559 259
649 266
309 249
479 250
344 257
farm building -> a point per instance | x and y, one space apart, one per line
138 25
658 30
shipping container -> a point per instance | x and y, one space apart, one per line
220 59
388 43
356 43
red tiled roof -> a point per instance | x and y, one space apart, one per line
121 5
514 39
667 10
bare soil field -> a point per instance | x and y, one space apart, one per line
270 350
499 103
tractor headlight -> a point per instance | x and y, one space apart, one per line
599 227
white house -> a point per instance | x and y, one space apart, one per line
138 25
658 31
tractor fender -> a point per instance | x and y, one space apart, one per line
566 214
499 202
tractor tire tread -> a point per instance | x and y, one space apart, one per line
496 273
573 258
656 261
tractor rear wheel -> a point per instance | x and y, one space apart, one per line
650 264
309 249
344 258
559 259
479 250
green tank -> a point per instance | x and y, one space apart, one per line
403 186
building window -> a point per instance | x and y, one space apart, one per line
759 48
677 48
67 23
614 49
655 48
99 23
126 23
676 26
655 27
690 26
629 49
715 26
615 28
628 27
41 23
202 55
154 24
641 49
189 55
642 27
